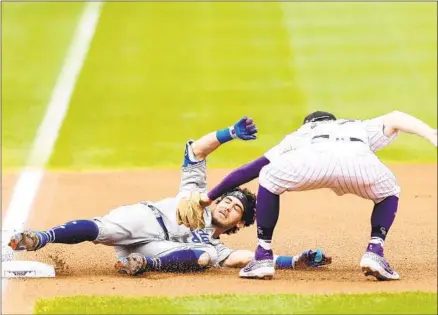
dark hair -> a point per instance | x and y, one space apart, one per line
318 116
248 216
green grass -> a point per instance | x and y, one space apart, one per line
159 73
365 59
35 38
382 303
166 72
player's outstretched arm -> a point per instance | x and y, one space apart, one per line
239 176
397 120
304 260
244 129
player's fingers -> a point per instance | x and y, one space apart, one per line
249 121
253 131
242 120
326 260
251 137
252 126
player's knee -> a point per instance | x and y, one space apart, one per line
101 228
204 260
386 198
394 192
266 181
105 235
397 190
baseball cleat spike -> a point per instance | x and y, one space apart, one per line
376 265
13 243
26 240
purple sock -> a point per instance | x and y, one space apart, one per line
240 176
72 232
383 216
178 261
375 248
268 209
262 254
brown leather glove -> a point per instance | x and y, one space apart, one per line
190 212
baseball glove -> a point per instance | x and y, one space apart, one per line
190 212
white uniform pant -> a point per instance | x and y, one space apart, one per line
135 229
128 225
343 168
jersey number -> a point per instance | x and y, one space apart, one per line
200 236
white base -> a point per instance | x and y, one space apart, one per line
7 252
27 269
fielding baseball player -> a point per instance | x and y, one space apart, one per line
151 236
338 154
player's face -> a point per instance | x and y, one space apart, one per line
228 213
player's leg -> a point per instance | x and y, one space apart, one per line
296 171
72 232
268 209
367 177
386 198
122 226
271 186
290 172
167 256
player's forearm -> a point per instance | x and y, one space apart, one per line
396 120
238 258
244 129
240 176
210 142
205 145
284 262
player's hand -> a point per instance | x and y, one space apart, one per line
432 137
205 200
245 129
312 259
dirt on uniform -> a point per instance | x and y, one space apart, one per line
339 225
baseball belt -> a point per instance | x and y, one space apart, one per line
159 218
338 138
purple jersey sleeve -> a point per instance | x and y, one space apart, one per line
239 176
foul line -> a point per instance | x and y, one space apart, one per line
30 178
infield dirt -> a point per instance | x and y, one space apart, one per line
339 225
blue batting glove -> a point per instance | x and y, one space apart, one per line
316 258
245 129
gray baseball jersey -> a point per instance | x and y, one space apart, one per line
150 228
338 155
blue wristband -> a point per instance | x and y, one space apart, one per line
284 262
225 135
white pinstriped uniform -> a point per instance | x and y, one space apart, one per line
302 162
